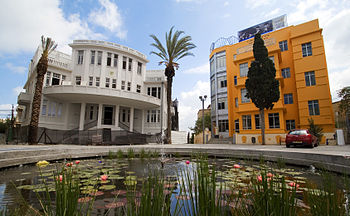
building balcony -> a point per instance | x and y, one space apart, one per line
24 98
91 94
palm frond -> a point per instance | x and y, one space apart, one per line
48 45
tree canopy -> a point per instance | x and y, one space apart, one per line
344 105
198 127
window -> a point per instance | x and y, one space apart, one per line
129 86
115 60
48 76
306 49
235 80
52 109
92 61
223 83
44 107
63 79
257 121
290 124
80 56
310 79
285 72
130 64
244 99
274 120
123 85
97 81
236 102
139 68
212 86
223 125
159 91
107 82
114 83
221 62
153 116
99 57
59 110
154 91
313 107
212 66
283 45
109 59
91 80
91 112
288 98
124 62
221 105
243 69
138 88
237 125
55 79
247 122
78 80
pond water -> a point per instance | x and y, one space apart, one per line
27 181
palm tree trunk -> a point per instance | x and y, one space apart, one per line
34 121
169 102
262 123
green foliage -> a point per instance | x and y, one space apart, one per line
131 153
315 129
143 154
262 87
120 154
5 125
344 105
198 128
327 201
281 163
111 155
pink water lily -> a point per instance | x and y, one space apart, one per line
259 178
60 177
69 164
236 166
293 184
270 175
77 162
104 177
187 162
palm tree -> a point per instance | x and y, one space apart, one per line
176 48
48 45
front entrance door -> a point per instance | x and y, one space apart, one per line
108 115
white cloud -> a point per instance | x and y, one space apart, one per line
18 90
273 13
108 16
189 104
23 22
226 3
202 69
5 111
257 3
16 69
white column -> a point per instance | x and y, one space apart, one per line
142 121
82 116
116 116
131 119
99 116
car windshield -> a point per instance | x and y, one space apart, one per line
298 132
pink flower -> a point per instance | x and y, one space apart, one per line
259 178
77 162
69 164
60 177
187 162
104 177
236 166
270 175
293 184
268 179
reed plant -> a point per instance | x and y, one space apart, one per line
131 153
120 154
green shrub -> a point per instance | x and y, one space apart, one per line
120 154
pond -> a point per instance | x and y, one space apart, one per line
108 181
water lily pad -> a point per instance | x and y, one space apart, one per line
107 187
130 182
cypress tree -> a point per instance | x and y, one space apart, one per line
262 87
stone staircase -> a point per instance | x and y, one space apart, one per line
178 137
226 140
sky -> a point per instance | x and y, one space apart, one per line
131 22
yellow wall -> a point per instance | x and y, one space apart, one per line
242 52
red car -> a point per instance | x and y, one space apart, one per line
301 137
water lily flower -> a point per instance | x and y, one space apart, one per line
270 175
43 163
259 178
99 161
187 162
77 162
104 177
69 164
60 177
293 184
236 166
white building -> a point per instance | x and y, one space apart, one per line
102 86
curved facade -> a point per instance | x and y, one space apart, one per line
101 85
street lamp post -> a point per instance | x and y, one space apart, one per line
203 99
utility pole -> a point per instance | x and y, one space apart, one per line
203 99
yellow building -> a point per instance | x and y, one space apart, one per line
301 68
